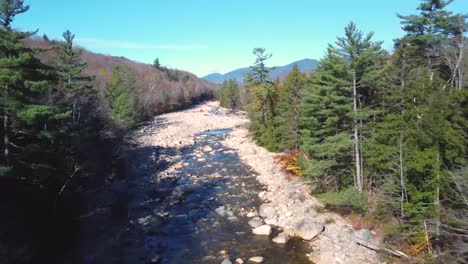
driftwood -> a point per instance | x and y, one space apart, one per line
395 253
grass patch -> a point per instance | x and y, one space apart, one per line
329 221
319 209
345 202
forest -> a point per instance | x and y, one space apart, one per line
380 136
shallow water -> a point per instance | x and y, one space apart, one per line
192 215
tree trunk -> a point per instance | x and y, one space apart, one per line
357 151
74 110
437 204
402 176
6 135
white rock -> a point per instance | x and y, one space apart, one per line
207 148
272 220
263 230
239 261
251 214
282 238
256 259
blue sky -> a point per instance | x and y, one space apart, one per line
205 36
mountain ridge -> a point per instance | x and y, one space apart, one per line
305 65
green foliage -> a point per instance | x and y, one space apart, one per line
229 94
156 64
287 118
9 9
347 197
120 111
4 170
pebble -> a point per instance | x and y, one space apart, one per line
239 261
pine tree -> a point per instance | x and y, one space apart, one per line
287 120
156 64
121 111
23 81
229 94
259 69
74 87
325 123
435 32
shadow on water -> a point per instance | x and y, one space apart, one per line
190 215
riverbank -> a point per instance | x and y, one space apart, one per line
287 204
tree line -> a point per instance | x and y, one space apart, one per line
383 134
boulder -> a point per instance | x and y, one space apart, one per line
272 220
307 229
266 210
263 230
362 236
256 259
255 222
282 238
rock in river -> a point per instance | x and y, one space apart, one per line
263 230
282 238
207 148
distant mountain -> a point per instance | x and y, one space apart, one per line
305 65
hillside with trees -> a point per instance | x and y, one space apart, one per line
380 137
156 89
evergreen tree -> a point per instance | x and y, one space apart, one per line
287 120
156 64
259 69
74 87
28 122
120 109
325 123
434 32
229 94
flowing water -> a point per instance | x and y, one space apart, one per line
191 215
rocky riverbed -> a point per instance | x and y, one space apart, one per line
204 193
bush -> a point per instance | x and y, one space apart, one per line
345 202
